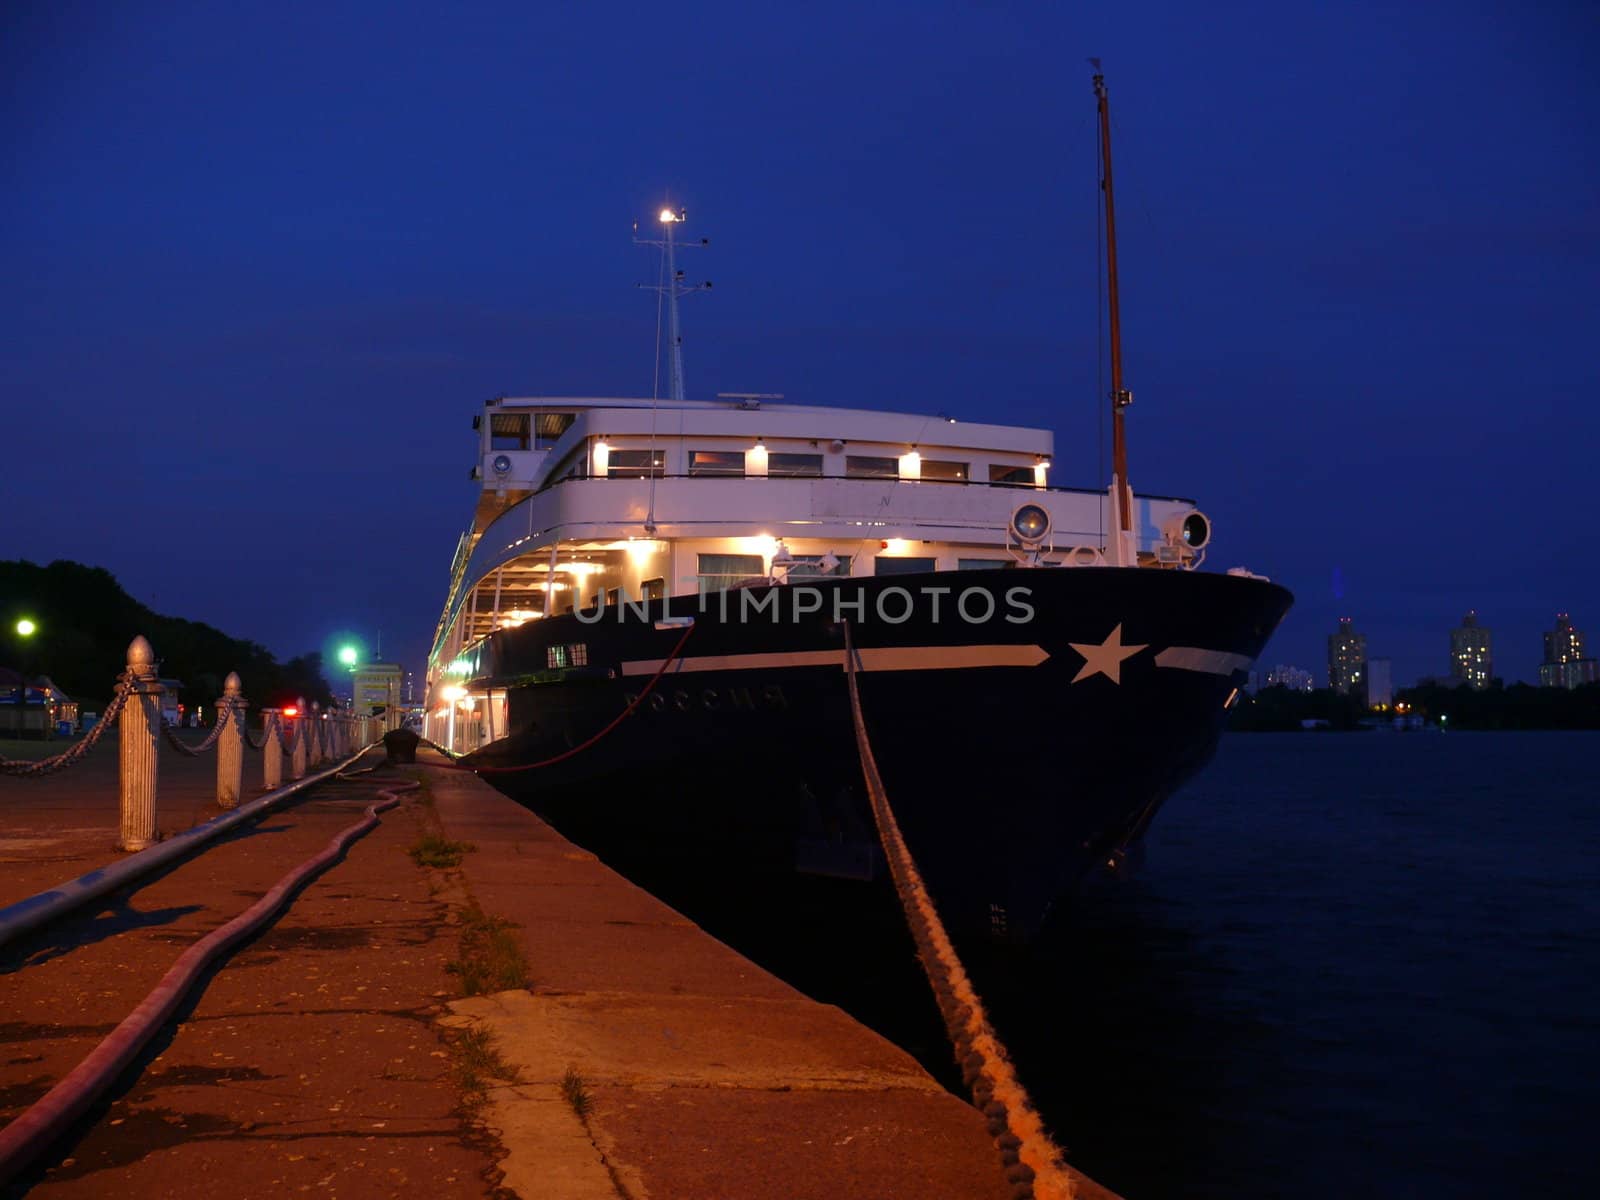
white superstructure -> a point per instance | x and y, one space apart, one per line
585 498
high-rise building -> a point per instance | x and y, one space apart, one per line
1470 659
1347 660
1380 683
1292 678
1564 665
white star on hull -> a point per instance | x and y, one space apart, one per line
1106 658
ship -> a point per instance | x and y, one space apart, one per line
651 620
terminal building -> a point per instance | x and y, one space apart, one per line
375 692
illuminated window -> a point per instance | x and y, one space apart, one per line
947 472
1010 476
635 464
719 572
508 431
719 462
860 466
794 465
573 654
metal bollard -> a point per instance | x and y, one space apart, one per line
272 752
140 732
230 744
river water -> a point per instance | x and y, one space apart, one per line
1353 964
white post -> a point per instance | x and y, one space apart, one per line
140 731
297 760
272 752
230 745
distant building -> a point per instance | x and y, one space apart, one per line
1564 665
1470 657
1347 660
1380 683
1292 678
376 692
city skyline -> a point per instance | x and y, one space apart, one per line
268 266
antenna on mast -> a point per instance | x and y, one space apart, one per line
673 287
1124 549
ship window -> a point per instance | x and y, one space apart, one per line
635 464
655 589
717 462
508 431
1008 475
945 472
984 564
901 566
549 426
811 564
794 465
858 466
573 654
613 597
719 572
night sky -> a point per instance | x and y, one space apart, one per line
263 263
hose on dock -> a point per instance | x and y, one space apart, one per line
1033 1162
53 1114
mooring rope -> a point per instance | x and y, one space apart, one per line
1033 1162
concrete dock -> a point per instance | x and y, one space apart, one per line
643 1058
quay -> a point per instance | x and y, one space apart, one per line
336 1054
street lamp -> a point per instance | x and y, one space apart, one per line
348 656
26 628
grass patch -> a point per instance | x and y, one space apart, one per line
576 1092
478 1061
435 850
491 954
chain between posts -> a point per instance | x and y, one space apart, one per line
74 754
171 730
24 768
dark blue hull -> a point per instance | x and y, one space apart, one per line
1024 736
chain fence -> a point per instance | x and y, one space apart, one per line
229 707
74 754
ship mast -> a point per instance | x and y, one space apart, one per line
1124 549
673 288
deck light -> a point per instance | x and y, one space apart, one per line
668 216
26 628
1030 524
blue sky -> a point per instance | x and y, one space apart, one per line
265 262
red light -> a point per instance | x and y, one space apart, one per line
290 710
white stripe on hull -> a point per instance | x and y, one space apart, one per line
1212 662
930 658
885 658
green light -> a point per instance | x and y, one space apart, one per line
347 655
26 627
